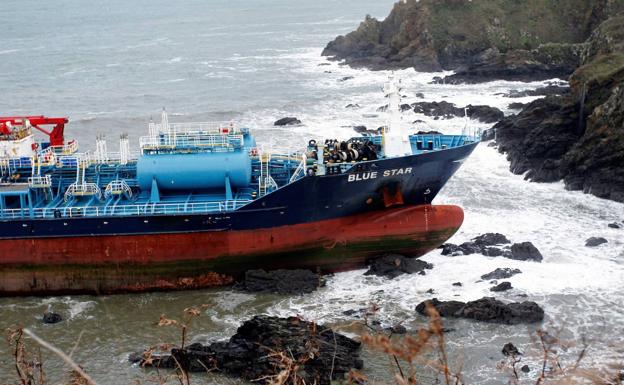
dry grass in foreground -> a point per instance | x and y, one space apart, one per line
409 357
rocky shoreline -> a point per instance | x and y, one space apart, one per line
574 134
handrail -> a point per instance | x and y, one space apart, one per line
124 210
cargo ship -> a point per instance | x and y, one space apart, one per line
201 203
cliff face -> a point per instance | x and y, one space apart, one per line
578 138
431 35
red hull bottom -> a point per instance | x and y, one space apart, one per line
136 263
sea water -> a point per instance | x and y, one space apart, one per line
111 66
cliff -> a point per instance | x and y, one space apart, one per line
579 137
506 39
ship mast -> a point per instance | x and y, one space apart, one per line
396 137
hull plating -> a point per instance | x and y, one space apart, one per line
167 261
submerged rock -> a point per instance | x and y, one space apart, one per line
614 225
487 309
51 318
260 345
525 369
282 281
393 265
503 286
510 349
595 241
501 273
288 121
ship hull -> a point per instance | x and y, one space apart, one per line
188 260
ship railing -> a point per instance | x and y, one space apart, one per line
117 187
40 181
14 163
147 209
83 189
212 128
191 141
69 148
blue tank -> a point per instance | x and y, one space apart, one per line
198 171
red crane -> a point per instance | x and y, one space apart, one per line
55 134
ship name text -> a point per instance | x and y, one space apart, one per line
376 174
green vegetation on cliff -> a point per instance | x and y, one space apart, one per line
444 34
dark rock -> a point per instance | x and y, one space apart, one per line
420 95
544 62
365 131
489 134
431 132
324 64
352 105
393 265
251 353
510 349
422 272
430 291
488 309
344 79
595 241
499 273
457 284
446 110
491 239
349 312
492 252
516 106
543 91
503 286
445 308
288 121
525 251
281 281
615 225
398 329
525 369
51 318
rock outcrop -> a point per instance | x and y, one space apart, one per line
490 245
499 273
577 137
393 265
287 121
446 110
479 39
255 352
487 309
281 281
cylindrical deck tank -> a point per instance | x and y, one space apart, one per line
199 171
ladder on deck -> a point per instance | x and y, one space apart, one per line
266 183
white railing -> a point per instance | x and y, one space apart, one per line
40 181
82 189
148 209
67 149
117 187
214 128
190 140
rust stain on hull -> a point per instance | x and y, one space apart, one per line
136 263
